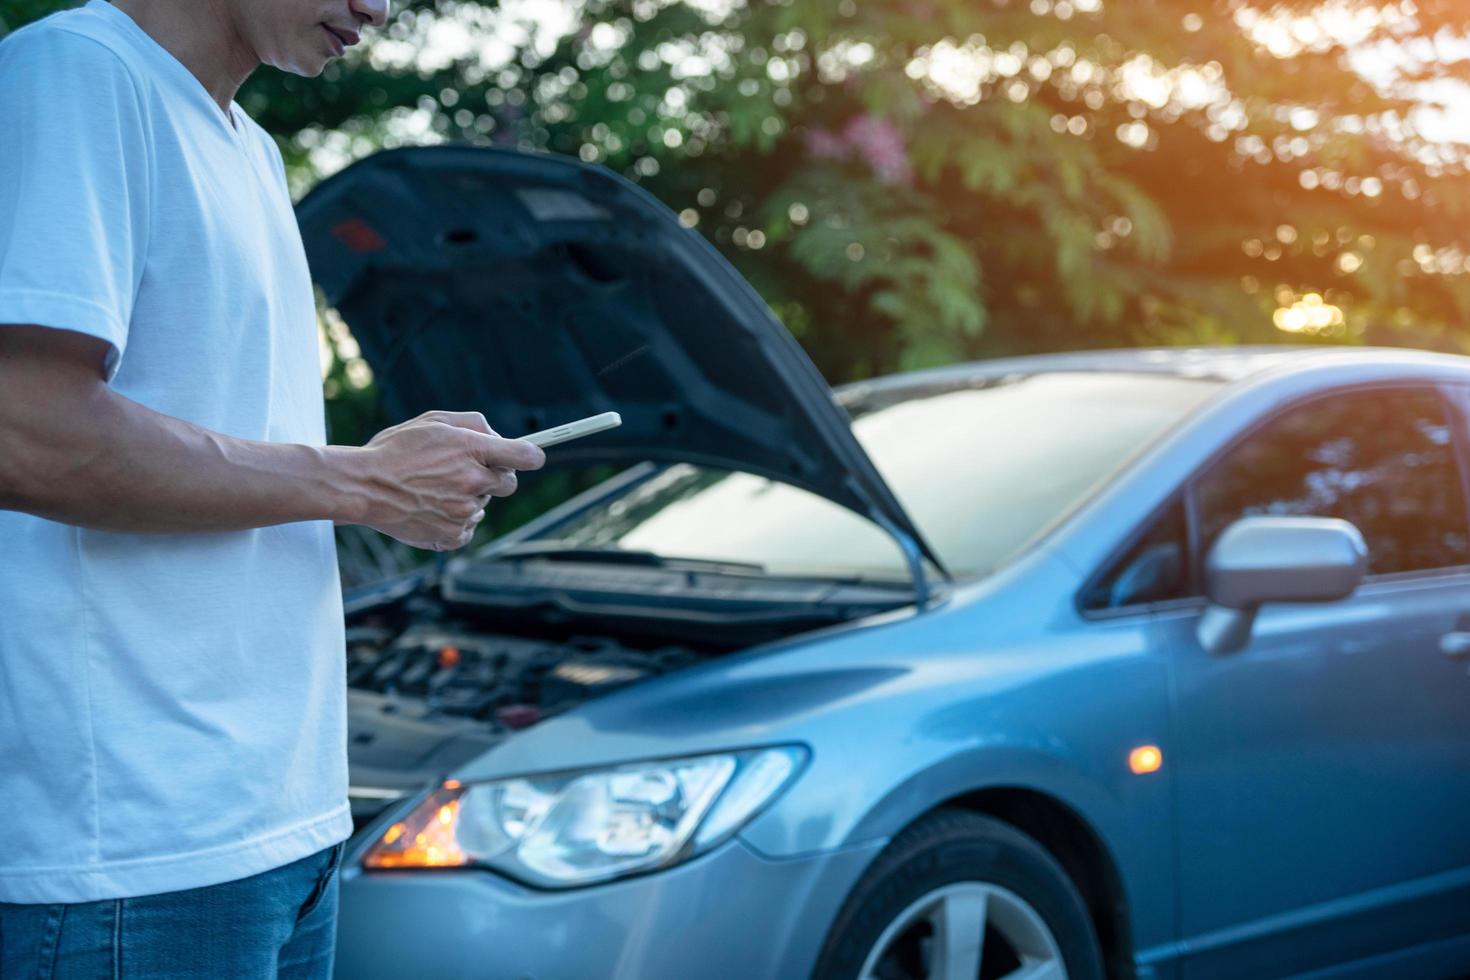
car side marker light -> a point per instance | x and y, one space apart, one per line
1145 759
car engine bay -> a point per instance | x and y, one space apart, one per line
443 669
437 693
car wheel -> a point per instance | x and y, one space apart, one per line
960 896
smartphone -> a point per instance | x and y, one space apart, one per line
575 430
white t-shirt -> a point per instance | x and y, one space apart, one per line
172 706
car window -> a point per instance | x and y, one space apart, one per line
1155 569
982 470
1382 459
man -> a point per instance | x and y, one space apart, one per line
172 702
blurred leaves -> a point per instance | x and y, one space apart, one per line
916 181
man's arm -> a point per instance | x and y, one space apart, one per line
75 451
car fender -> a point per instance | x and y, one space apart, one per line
1131 818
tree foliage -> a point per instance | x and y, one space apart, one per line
917 181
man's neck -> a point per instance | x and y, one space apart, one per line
203 36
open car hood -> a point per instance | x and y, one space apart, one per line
538 290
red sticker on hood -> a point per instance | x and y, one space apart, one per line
359 236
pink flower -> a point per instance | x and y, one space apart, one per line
877 142
880 144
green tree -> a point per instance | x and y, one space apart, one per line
917 181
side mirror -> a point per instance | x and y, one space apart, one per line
1276 559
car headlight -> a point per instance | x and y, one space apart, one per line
562 830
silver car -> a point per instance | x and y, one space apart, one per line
1137 664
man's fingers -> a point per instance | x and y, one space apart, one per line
499 482
518 454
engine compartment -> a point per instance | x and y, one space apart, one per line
441 669
505 681
433 685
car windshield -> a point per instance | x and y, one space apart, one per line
981 471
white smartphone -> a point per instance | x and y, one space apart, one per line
575 430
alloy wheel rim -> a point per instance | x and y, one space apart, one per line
966 931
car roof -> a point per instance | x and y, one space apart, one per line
1229 365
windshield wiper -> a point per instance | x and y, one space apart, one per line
547 551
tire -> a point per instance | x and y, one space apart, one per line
940 870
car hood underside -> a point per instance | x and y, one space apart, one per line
538 290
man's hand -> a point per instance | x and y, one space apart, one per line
73 450
430 478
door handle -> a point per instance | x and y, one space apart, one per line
1456 644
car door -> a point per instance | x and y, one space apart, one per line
1323 772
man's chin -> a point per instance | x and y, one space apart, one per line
305 69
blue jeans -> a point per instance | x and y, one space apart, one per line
277 924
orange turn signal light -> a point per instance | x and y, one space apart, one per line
424 839
1145 759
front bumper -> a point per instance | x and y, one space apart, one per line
730 913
